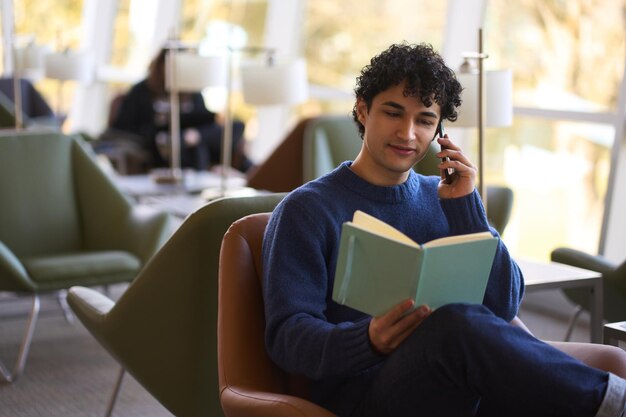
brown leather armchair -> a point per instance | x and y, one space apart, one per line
250 384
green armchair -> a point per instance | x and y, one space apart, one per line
614 282
63 223
162 330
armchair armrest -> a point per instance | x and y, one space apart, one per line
13 275
243 402
581 259
89 305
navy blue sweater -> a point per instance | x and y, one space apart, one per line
309 334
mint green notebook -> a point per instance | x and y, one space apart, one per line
375 272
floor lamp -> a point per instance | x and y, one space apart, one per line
269 83
186 72
68 66
27 63
487 102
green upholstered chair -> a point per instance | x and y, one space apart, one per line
162 330
613 279
317 145
327 141
63 223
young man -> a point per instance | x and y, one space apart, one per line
460 360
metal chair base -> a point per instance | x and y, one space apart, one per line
67 311
5 374
572 322
115 393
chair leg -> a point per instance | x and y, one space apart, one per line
106 290
115 393
67 311
7 376
572 322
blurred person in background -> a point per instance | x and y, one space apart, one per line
145 113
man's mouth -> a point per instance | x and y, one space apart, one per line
404 150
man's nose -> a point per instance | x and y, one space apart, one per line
406 130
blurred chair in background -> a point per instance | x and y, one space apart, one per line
613 279
63 222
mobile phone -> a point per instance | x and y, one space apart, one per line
448 172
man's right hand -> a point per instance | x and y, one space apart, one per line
386 332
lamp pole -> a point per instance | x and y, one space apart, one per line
17 89
175 171
479 56
17 75
227 134
481 120
227 137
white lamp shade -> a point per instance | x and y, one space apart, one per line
193 72
270 85
29 60
74 66
498 99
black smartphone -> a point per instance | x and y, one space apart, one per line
448 172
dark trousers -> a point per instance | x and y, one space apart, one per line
208 151
212 142
465 361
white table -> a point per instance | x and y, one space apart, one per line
180 199
615 333
194 182
552 275
181 205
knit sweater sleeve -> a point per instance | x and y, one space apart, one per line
299 338
505 287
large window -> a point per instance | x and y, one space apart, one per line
202 20
558 171
57 31
341 37
61 29
566 56
217 24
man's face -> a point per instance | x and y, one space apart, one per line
398 131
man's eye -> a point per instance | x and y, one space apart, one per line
427 122
392 114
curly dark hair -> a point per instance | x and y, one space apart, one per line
427 78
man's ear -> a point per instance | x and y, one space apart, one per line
361 110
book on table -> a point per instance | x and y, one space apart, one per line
378 267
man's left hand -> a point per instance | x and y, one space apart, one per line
463 180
